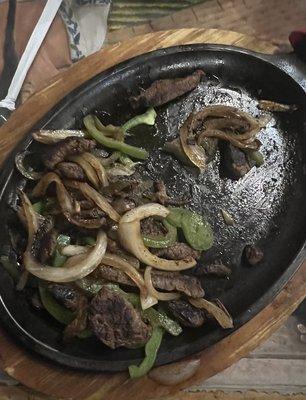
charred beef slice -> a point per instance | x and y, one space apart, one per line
233 163
66 294
164 280
186 314
44 241
152 227
70 170
115 321
217 268
178 251
67 147
165 90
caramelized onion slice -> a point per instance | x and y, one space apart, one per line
99 200
131 239
76 267
98 167
118 262
195 153
218 312
63 196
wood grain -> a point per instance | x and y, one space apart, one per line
59 382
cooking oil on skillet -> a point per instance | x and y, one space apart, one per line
253 201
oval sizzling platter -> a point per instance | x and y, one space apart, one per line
267 204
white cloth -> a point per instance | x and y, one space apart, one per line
86 23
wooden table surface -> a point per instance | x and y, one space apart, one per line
48 378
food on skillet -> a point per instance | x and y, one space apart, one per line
108 253
268 105
165 90
235 131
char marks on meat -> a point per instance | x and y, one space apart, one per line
217 269
186 314
163 280
44 241
164 90
174 281
70 170
152 227
66 294
122 205
85 221
115 321
161 196
79 324
178 251
75 301
68 147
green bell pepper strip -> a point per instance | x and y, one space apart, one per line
148 118
86 333
115 132
255 157
161 241
157 318
90 285
58 258
175 216
58 312
197 231
90 241
111 143
151 349
38 207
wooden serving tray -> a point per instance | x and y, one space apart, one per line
51 379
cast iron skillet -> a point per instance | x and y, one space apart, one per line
268 204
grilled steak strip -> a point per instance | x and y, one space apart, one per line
186 314
115 321
67 147
178 251
165 90
168 281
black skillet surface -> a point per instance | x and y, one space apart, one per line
268 204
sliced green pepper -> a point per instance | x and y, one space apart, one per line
175 216
112 131
89 284
148 118
111 143
158 318
151 349
86 333
255 157
44 206
38 207
58 258
90 241
196 229
162 241
60 313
